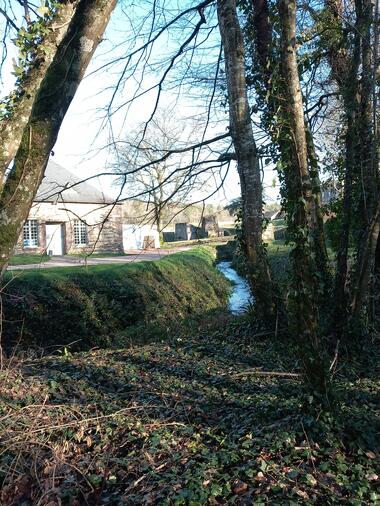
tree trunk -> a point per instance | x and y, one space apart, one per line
368 159
368 170
247 159
344 70
319 239
50 106
366 263
360 181
304 290
13 124
263 39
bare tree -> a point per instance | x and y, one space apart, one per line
160 182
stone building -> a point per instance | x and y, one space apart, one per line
68 216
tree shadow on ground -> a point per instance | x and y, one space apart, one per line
180 421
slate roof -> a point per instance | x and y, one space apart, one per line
56 187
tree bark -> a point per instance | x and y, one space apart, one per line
12 126
247 159
361 172
318 234
263 38
368 160
366 263
369 175
304 290
50 106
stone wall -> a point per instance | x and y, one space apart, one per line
182 232
105 233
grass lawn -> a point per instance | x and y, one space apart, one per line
196 242
208 415
26 259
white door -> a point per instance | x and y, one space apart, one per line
54 239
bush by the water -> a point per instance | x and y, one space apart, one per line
91 305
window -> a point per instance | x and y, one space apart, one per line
80 233
31 234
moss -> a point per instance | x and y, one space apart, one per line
93 305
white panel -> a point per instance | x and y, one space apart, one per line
133 236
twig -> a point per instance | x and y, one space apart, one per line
255 372
78 422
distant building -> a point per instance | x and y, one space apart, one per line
70 216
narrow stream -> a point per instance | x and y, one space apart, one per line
241 296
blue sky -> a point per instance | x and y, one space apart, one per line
84 132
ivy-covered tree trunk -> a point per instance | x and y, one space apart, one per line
318 234
350 57
366 263
20 104
52 100
367 157
303 294
368 160
247 159
260 31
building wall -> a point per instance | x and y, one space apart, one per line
105 235
137 237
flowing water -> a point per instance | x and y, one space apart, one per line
241 296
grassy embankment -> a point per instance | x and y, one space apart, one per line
211 415
98 305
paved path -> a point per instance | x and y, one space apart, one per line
72 261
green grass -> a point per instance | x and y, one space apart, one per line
279 261
187 420
103 304
28 258
195 242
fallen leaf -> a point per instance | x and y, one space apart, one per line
239 487
260 476
310 478
301 493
